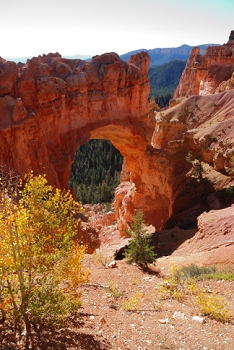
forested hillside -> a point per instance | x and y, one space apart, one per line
95 172
97 165
164 80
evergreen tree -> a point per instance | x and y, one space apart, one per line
139 251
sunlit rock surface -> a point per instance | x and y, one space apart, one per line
51 105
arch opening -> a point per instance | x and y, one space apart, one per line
95 172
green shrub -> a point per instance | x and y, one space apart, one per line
188 157
194 271
139 251
213 138
229 193
204 272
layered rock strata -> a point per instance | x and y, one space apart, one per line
198 123
203 74
51 105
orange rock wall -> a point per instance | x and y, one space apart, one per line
51 105
203 74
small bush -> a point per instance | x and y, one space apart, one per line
204 272
194 271
182 281
113 290
188 157
221 276
213 138
213 305
197 168
99 258
133 303
135 281
155 300
49 305
229 193
172 286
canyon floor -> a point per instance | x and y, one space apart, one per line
122 307
165 324
103 322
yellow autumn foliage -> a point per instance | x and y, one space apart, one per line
38 256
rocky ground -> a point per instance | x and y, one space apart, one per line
122 307
167 324
103 323
155 324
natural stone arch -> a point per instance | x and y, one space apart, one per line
52 105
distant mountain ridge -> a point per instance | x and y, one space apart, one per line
158 56
161 56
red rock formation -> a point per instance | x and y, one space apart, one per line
51 105
226 85
201 125
203 74
213 243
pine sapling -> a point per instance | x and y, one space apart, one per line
140 250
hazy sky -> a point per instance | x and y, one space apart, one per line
34 27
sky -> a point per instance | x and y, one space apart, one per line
92 27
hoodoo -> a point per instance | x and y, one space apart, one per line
204 75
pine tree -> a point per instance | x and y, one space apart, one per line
139 251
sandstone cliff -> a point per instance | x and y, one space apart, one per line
198 123
204 74
51 105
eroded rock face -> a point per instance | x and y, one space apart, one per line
213 243
51 105
203 74
167 190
